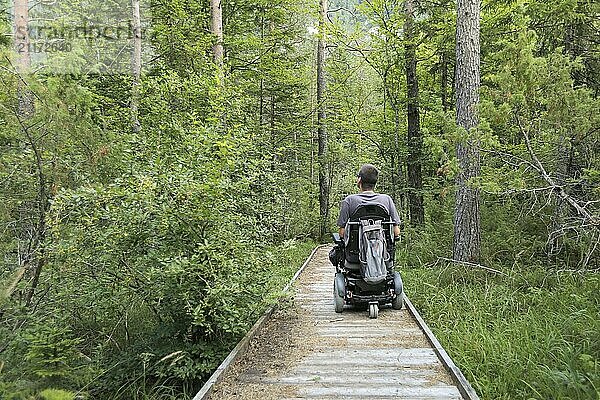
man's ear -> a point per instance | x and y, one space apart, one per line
359 182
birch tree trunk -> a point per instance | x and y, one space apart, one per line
22 43
467 235
22 34
136 65
415 140
216 28
321 116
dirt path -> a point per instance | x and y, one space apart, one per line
306 350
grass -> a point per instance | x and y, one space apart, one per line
527 334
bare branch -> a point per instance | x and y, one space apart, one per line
470 264
558 189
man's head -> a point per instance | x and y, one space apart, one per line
367 177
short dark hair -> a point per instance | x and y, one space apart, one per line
368 176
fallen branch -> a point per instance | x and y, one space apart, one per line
470 264
576 271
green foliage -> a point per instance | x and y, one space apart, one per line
538 116
56 394
175 264
524 334
50 350
160 248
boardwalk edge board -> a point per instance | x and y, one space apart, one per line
242 346
464 387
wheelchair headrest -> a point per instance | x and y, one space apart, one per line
376 211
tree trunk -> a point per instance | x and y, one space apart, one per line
22 34
136 65
216 28
22 43
35 258
38 252
444 80
467 235
321 116
273 132
415 140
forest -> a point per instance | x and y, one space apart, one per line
167 165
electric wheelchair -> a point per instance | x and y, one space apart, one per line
349 287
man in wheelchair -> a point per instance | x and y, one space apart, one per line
369 226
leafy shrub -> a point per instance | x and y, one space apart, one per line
164 286
56 394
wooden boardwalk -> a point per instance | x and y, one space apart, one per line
307 351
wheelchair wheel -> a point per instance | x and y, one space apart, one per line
373 310
339 292
398 301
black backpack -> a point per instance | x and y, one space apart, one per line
373 254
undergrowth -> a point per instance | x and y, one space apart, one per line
523 334
160 362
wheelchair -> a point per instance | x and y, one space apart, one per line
349 287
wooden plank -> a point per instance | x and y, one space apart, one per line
379 378
422 361
368 371
361 391
386 353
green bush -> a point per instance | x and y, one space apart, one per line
56 394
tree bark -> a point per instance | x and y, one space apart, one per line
22 43
38 246
467 234
321 119
216 28
444 80
35 258
22 34
136 65
415 140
